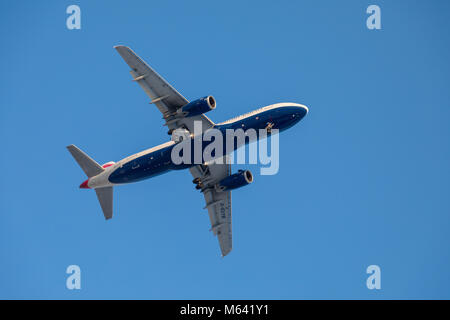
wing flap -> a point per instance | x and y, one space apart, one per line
144 74
220 217
218 203
161 93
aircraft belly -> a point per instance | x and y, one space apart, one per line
145 167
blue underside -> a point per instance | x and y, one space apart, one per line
159 162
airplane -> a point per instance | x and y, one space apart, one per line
214 179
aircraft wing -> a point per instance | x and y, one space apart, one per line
161 93
217 203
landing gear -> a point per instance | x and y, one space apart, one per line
198 183
201 182
269 127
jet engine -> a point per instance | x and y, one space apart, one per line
237 180
199 106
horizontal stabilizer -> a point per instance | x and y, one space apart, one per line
89 166
105 197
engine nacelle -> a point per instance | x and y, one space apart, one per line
237 180
199 106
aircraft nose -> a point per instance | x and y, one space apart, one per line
304 110
301 111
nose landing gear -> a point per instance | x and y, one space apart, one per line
269 127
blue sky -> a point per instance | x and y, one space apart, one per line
364 179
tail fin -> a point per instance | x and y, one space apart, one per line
92 168
89 166
105 197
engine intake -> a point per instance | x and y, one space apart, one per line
199 106
237 180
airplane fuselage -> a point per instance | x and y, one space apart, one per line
158 160
197 143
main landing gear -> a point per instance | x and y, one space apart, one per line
198 183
